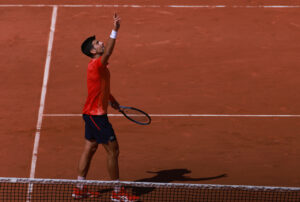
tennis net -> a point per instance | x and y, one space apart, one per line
25 189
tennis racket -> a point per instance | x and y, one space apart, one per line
135 115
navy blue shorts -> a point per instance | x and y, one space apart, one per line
98 128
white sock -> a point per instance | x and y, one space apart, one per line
117 188
80 178
80 185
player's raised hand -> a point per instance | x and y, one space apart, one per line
116 22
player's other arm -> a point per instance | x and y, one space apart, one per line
113 102
111 41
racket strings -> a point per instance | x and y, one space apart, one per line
136 115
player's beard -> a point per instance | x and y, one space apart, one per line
102 50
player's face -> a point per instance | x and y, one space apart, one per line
98 46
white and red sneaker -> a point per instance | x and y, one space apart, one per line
123 196
84 193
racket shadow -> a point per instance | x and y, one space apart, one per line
167 176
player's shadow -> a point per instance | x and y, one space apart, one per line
167 176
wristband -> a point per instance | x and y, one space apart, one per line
113 34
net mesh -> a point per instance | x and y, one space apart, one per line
24 189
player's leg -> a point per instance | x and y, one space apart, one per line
119 193
86 157
112 150
81 191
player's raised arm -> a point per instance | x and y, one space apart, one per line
111 41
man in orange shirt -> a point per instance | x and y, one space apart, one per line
98 129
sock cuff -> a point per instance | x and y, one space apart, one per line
80 178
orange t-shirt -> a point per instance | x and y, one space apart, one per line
98 84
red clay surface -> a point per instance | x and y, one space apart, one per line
215 61
23 40
158 2
184 61
249 151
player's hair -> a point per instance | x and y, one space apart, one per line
87 46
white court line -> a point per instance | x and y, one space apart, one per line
44 91
151 6
233 6
42 101
193 115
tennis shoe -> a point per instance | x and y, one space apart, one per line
84 193
123 196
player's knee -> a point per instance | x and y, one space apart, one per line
114 153
92 149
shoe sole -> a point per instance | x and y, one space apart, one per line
84 196
115 200
122 200
74 196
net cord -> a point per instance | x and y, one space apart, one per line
143 184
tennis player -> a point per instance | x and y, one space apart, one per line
98 129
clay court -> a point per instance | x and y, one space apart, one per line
220 79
